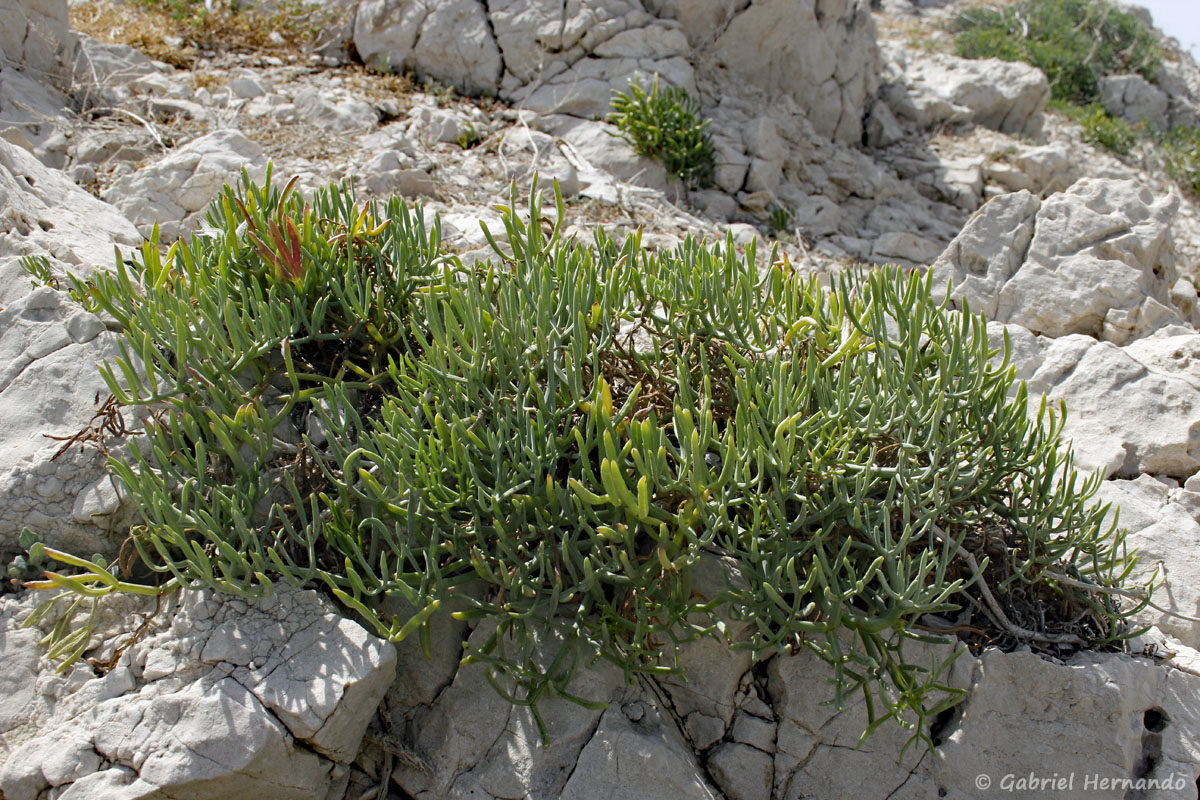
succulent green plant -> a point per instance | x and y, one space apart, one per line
665 124
553 440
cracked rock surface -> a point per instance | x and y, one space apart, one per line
876 149
1097 259
554 56
224 698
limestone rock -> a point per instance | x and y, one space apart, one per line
465 740
1134 99
822 54
1110 717
336 112
390 173
102 71
174 191
538 154
431 125
817 752
1097 259
33 115
1042 170
1127 413
712 669
741 771
936 88
637 744
1181 83
49 352
1164 526
447 40
904 246
36 37
43 213
883 129
600 146
226 698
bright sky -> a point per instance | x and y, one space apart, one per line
1177 18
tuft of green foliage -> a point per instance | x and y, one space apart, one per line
468 137
1075 42
553 440
780 218
1101 128
666 125
1180 148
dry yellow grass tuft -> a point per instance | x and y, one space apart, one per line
177 31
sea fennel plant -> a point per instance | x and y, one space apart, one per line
551 442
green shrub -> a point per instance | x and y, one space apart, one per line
1075 42
1101 128
553 441
780 218
665 124
1180 148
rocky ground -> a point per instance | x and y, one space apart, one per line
865 137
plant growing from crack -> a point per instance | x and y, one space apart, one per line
665 124
549 443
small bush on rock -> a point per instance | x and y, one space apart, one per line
553 440
1075 42
665 124
1181 152
1101 128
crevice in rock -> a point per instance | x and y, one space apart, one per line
591 734
668 706
1154 722
487 19
907 777
944 724
736 13
416 36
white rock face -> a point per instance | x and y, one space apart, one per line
230 698
467 741
31 116
43 213
1042 170
102 71
819 52
1181 84
1134 99
36 37
560 60
50 349
1164 525
1127 413
174 191
337 113
1097 259
599 145
933 89
637 744
545 160
447 40
906 247
1111 716
550 58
